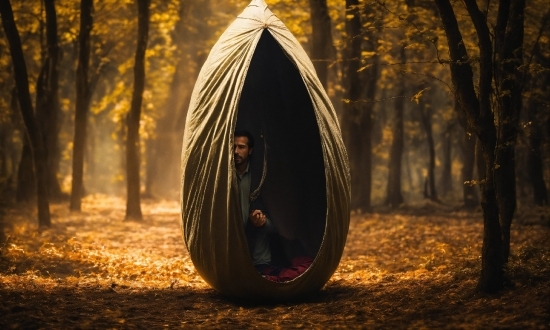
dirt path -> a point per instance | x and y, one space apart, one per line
93 270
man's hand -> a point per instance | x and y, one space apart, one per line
258 218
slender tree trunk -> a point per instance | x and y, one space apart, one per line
82 104
26 180
13 150
163 162
394 197
426 115
539 122
321 39
48 106
446 173
365 156
468 160
509 83
25 190
431 165
535 166
353 109
369 78
480 118
161 150
492 252
25 104
133 204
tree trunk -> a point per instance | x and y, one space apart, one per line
446 173
365 127
163 153
369 78
25 104
82 104
133 204
431 165
509 84
26 180
353 110
161 160
321 39
538 121
469 192
492 254
47 106
480 118
25 189
394 197
426 118
535 163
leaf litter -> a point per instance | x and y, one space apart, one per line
414 268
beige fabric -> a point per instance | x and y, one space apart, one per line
211 221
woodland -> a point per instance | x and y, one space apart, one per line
444 111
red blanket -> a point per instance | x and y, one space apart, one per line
298 266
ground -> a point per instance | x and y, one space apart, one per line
411 268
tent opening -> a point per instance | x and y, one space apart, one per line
276 108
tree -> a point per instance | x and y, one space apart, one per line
481 117
163 151
537 118
369 81
133 204
356 121
27 111
321 38
469 194
509 33
394 197
82 103
426 120
535 153
47 101
446 173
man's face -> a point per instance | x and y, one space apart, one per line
241 151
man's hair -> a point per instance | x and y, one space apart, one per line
243 132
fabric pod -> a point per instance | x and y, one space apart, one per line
257 77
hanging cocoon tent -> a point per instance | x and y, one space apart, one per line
257 77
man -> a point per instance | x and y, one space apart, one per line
257 225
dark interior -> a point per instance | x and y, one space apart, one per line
276 108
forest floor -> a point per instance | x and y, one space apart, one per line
415 268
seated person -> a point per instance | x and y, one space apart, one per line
258 227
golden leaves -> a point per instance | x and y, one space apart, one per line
98 247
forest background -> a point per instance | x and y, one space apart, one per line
108 127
